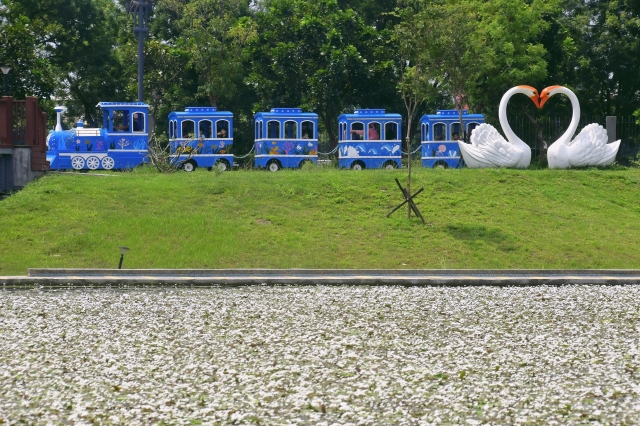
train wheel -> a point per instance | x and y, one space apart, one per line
77 163
108 163
273 166
440 165
93 163
189 166
357 166
221 165
390 165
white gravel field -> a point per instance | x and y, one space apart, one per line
321 355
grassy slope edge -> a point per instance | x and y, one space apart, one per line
325 218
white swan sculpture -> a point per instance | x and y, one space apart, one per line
589 148
489 149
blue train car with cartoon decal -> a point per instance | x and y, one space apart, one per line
369 138
202 137
121 143
440 134
285 137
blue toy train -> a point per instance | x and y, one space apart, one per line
121 143
369 138
439 136
284 138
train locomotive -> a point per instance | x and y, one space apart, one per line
121 143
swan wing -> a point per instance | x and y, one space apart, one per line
493 148
590 147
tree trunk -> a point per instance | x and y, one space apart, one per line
409 116
331 131
542 146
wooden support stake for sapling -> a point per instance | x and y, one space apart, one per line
408 198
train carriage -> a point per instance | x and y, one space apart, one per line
440 134
285 137
201 137
121 143
369 138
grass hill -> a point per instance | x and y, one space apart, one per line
324 218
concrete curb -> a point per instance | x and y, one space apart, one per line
82 278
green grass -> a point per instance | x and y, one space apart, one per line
325 218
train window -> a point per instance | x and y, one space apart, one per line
273 129
106 120
188 129
307 130
373 132
257 130
357 131
222 129
290 130
391 131
470 128
261 130
204 128
455 132
171 133
425 132
138 122
439 132
121 121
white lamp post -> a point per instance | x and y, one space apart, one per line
5 71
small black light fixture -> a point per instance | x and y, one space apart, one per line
5 71
123 251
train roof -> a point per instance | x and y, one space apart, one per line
451 115
200 112
124 105
370 114
286 113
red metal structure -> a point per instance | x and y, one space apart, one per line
23 148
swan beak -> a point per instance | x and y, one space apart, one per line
533 96
545 95
534 99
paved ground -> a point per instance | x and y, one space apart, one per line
232 277
322 355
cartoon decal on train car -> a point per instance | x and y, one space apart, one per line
440 134
121 143
285 137
202 137
369 138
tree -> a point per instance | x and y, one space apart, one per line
456 45
31 73
417 68
76 38
605 54
214 33
315 55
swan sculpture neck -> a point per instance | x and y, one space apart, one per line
502 114
575 118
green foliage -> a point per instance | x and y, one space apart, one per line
214 33
319 56
31 74
324 218
329 56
